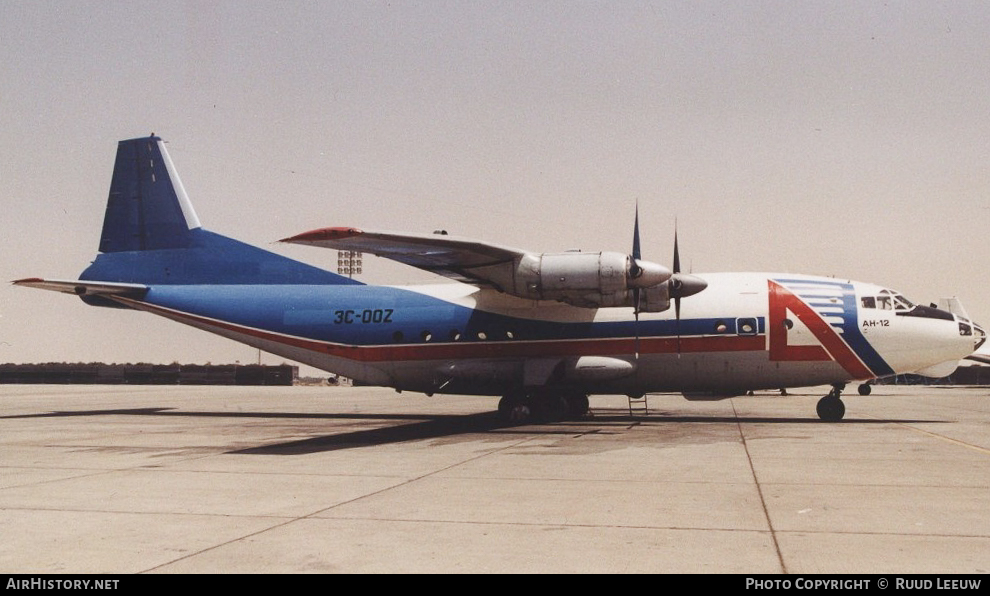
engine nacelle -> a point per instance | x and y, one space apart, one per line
655 299
591 280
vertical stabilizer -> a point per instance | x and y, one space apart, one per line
151 234
148 208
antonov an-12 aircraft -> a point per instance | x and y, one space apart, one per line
541 330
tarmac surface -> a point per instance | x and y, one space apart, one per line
187 479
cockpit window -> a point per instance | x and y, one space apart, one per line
902 303
887 300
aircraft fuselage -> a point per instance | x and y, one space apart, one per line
747 331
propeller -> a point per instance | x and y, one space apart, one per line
634 268
635 271
681 285
674 286
644 275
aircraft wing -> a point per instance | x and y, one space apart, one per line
463 259
85 288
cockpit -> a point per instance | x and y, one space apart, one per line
887 300
890 300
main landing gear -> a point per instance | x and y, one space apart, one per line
830 408
520 408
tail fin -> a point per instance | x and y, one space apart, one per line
148 208
151 234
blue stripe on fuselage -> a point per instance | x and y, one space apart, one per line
369 316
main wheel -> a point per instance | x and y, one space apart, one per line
549 408
831 409
514 409
865 389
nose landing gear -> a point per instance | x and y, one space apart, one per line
830 408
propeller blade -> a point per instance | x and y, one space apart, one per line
634 268
634 271
635 251
673 287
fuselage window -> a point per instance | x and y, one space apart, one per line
426 335
869 302
746 326
455 335
397 336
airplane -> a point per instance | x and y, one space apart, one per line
541 331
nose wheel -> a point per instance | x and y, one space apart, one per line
830 408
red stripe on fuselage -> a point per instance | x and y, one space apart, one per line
466 350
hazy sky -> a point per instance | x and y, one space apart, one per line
835 138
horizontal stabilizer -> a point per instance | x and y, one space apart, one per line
85 288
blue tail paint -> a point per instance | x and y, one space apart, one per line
151 234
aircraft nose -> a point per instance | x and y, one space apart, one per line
979 336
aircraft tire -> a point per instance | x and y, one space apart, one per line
515 410
831 409
865 389
550 408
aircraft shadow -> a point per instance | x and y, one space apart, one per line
488 423
426 426
432 428
180 413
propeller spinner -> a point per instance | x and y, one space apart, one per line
683 284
